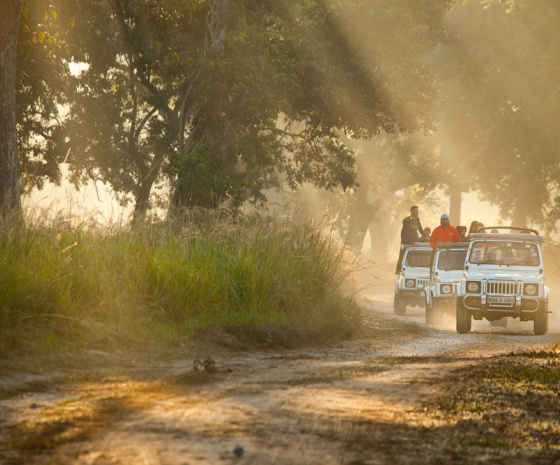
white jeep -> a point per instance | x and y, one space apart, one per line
446 272
504 277
409 287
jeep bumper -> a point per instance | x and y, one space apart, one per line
523 307
444 300
413 296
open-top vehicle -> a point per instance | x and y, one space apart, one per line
409 287
446 272
503 277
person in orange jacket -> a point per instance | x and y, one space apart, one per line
444 232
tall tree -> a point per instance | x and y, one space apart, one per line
392 41
498 121
331 70
233 96
126 92
9 164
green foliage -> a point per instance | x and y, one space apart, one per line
202 178
41 75
165 282
266 89
275 91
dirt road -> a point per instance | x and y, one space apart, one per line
373 401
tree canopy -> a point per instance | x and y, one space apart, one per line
498 120
225 98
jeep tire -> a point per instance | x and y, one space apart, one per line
541 321
399 306
464 319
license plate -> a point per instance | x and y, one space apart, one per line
503 300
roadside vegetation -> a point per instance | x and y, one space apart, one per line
507 408
245 281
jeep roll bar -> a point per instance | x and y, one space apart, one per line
452 245
514 228
416 244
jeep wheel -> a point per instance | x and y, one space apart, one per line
541 322
464 320
399 306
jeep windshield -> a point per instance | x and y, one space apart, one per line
419 258
504 253
452 260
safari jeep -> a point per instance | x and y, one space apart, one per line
446 272
504 277
409 287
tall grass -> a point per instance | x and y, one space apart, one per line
166 282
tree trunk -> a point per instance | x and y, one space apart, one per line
216 25
142 201
384 231
10 205
455 208
211 130
520 213
362 214
143 197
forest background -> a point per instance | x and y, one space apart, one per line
361 107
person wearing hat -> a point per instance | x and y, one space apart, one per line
444 232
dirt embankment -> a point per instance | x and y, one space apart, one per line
404 393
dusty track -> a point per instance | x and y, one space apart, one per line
372 401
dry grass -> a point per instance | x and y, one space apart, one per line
256 278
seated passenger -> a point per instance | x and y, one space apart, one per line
526 257
495 255
462 230
425 235
410 236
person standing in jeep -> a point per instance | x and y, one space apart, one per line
406 222
406 233
444 232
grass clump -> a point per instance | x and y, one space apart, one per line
257 278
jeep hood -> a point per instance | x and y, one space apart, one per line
503 273
415 272
450 276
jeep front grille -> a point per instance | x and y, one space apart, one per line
422 282
501 287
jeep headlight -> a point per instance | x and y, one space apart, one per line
409 283
446 289
531 289
473 287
